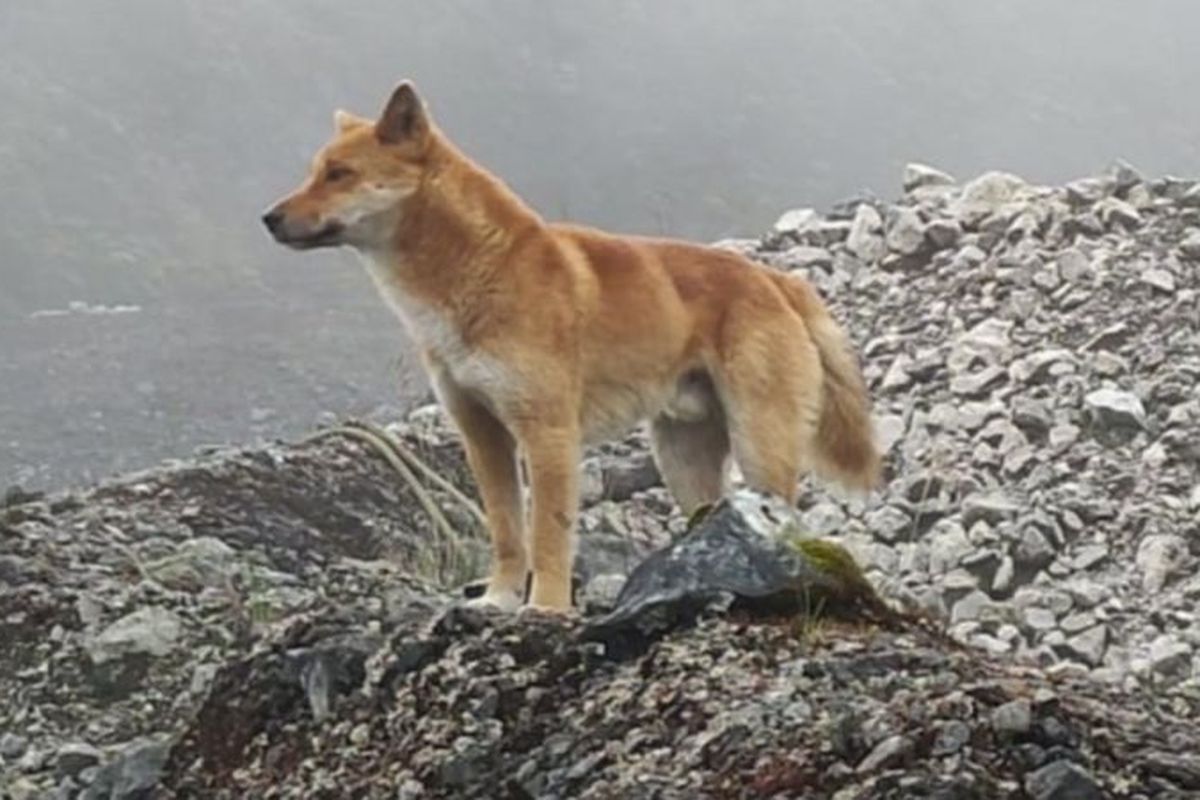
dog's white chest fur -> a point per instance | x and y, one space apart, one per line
435 332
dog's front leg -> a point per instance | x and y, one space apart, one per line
492 456
552 453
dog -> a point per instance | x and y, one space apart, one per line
540 338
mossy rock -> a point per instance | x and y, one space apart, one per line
846 590
746 553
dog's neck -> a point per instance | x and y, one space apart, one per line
460 216
451 237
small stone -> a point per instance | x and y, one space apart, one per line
1159 557
1124 175
1002 581
1170 656
360 734
865 239
823 519
1039 619
151 630
1033 550
977 384
1086 191
1114 212
1159 279
905 232
889 429
992 508
1063 435
987 194
603 590
1031 416
1014 718
804 256
888 524
1086 593
1113 408
1190 246
33 760
1074 266
12 746
1089 646
970 607
1191 197
943 233
917 175
796 220
897 376
74 757
1109 364
22 788
888 753
952 736
1173 188
133 773
1062 780
1079 621
948 546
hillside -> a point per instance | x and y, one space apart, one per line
282 621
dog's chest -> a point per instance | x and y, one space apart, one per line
435 333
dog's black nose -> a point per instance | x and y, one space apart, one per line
273 219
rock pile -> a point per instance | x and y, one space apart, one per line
1034 353
275 622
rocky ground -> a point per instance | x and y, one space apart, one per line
275 622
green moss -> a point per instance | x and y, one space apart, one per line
847 591
832 559
699 515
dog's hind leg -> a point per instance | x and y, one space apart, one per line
769 380
693 458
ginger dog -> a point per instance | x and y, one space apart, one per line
540 338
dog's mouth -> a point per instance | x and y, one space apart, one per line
328 235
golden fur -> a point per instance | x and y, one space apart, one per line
539 338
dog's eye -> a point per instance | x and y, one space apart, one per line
337 172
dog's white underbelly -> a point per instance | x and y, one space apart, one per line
611 410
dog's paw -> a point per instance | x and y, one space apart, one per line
499 599
534 611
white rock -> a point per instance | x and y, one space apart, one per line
917 175
971 607
1089 646
1114 408
865 239
1190 246
1170 656
1117 212
889 429
987 194
1014 718
796 220
1159 557
1159 279
152 630
906 231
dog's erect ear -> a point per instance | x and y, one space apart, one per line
345 121
403 118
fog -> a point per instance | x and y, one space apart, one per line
143 312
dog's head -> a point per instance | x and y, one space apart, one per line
358 183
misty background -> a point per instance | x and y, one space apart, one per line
143 311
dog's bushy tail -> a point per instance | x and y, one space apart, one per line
845 439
